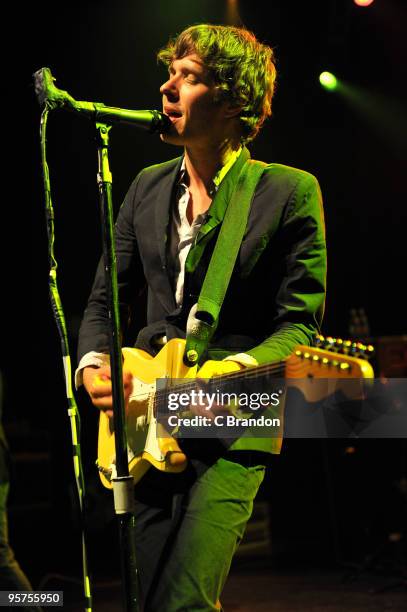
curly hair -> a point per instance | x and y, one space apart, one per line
243 69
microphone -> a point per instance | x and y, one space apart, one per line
53 98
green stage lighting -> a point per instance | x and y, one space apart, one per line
328 80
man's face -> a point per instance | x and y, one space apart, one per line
189 99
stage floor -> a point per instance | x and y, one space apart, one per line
253 588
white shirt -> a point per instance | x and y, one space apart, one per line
182 234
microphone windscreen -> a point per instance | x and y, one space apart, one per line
46 91
39 86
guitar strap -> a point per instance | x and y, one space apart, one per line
204 315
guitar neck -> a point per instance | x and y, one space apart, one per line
304 365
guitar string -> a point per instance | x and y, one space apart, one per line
273 369
251 373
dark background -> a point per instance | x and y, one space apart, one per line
355 145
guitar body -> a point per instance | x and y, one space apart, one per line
315 371
148 443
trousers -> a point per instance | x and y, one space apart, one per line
188 527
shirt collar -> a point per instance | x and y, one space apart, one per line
219 176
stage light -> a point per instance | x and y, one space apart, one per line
232 13
328 80
363 2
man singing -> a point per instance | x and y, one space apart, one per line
217 96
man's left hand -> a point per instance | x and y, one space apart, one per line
218 368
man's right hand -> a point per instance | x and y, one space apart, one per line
97 382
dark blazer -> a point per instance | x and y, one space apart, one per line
276 294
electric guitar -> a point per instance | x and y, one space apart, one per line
316 371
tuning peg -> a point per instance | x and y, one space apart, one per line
334 344
346 346
365 351
318 340
369 350
358 349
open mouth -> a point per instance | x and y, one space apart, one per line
172 114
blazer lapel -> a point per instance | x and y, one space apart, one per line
162 218
163 209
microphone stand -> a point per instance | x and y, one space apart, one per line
123 486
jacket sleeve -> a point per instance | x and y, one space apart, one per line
94 330
301 294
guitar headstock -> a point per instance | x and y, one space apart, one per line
319 372
313 362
